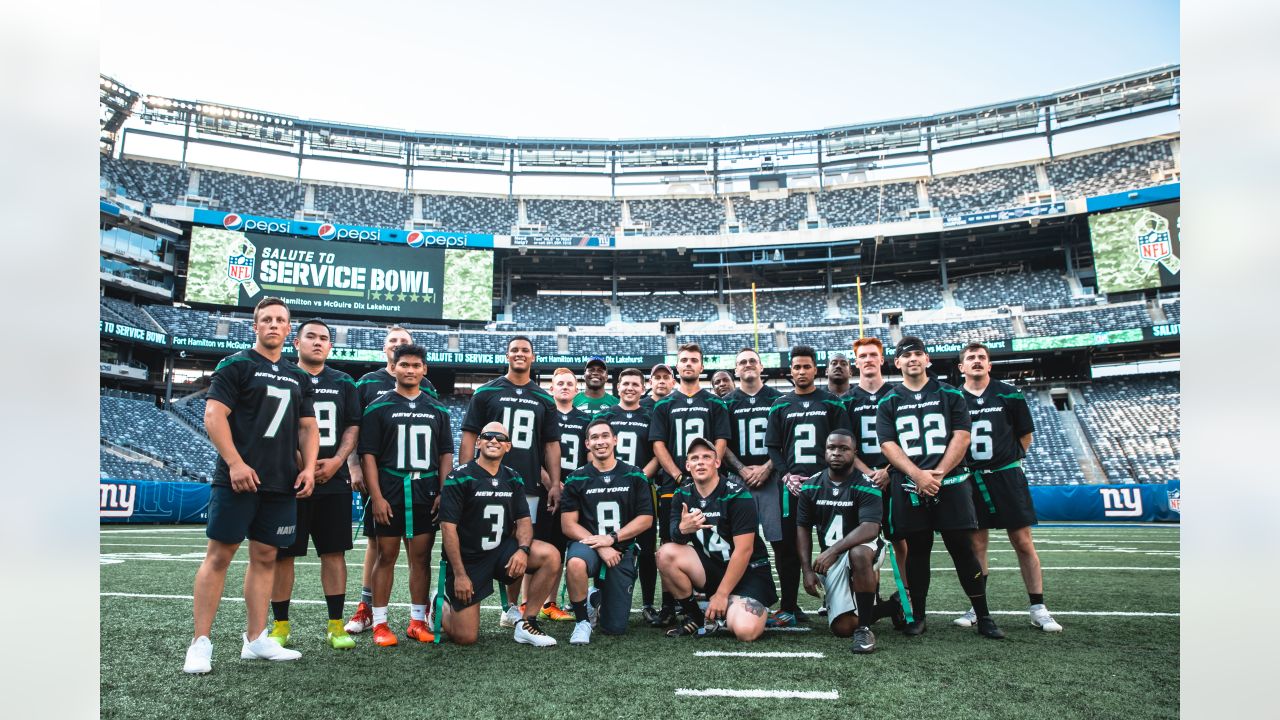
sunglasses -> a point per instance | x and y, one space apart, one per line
492 435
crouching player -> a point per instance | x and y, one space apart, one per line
405 445
735 574
488 535
606 505
846 508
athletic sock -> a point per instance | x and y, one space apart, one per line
668 600
1036 598
979 603
919 546
366 595
380 615
280 610
691 610
866 608
960 546
418 612
579 610
335 603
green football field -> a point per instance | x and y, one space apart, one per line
1114 589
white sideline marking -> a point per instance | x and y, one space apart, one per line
788 629
725 692
769 654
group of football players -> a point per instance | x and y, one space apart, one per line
683 483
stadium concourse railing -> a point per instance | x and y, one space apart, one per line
142 501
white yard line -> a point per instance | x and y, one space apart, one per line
763 654
725 692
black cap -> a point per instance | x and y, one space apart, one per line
910 343
699 440
597 360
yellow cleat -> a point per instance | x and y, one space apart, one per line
553 612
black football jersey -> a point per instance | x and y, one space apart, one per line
923 422
799 425
267 399
836 508
407 437
733 512
573 439
337 406
997 418
529 415
679 418
485 507
861 406
749 423
373 384
631 427
606 500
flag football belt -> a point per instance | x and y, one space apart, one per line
982 485
914 494
408 479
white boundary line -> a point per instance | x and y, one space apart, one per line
762 654
726 692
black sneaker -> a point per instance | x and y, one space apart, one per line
650 615
822 611
801 615
898 615
987 628
914 629
666 617
688 627
864 641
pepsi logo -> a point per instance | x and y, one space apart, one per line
232 221
414 239
327 231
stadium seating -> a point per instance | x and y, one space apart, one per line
769 215
841 339
651 308
692 216
1172 311
150 182
1087 321
234 192
1036 290
617 345
925 295
139 425
797 308
1110 171
1134 425
115 467
128 313
363 206
575 217
962 332
547 311
1051 460
979 191
869 205
463 213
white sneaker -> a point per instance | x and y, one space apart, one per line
529 633
593 610
199 656
969 619
265 648
581 633
511 617
1041 618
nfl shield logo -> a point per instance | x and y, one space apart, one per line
628 416
315 381
982 401
1154 246
835 491
276 368
607 478
1175 500
495 482
702 503
806 403
519 391
873 398
240 268
753 401
918 396
688 401
413 406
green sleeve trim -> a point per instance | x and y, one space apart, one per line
885 399
230 359
544 396
636 474
574 478
720 402
952 390
366 381
1017 395
835 401
347 379
868 490
740 495
662 402
375 406
457 480
484 388
681 491
810 487
778 406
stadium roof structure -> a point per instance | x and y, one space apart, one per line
647 161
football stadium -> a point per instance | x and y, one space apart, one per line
794 248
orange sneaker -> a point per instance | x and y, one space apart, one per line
419 631
383 636
553 612
362 620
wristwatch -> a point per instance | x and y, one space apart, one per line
614 535
525 548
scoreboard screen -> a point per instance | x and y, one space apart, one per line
337 278
1137 249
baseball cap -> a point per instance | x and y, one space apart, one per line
699 440
660 366
909 343
597 360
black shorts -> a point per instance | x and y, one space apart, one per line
547 528
482 570
756 582
266 517
424 523
950 509
326 519
1003 500
663 518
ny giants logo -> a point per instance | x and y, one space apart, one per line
115 500
1121 502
